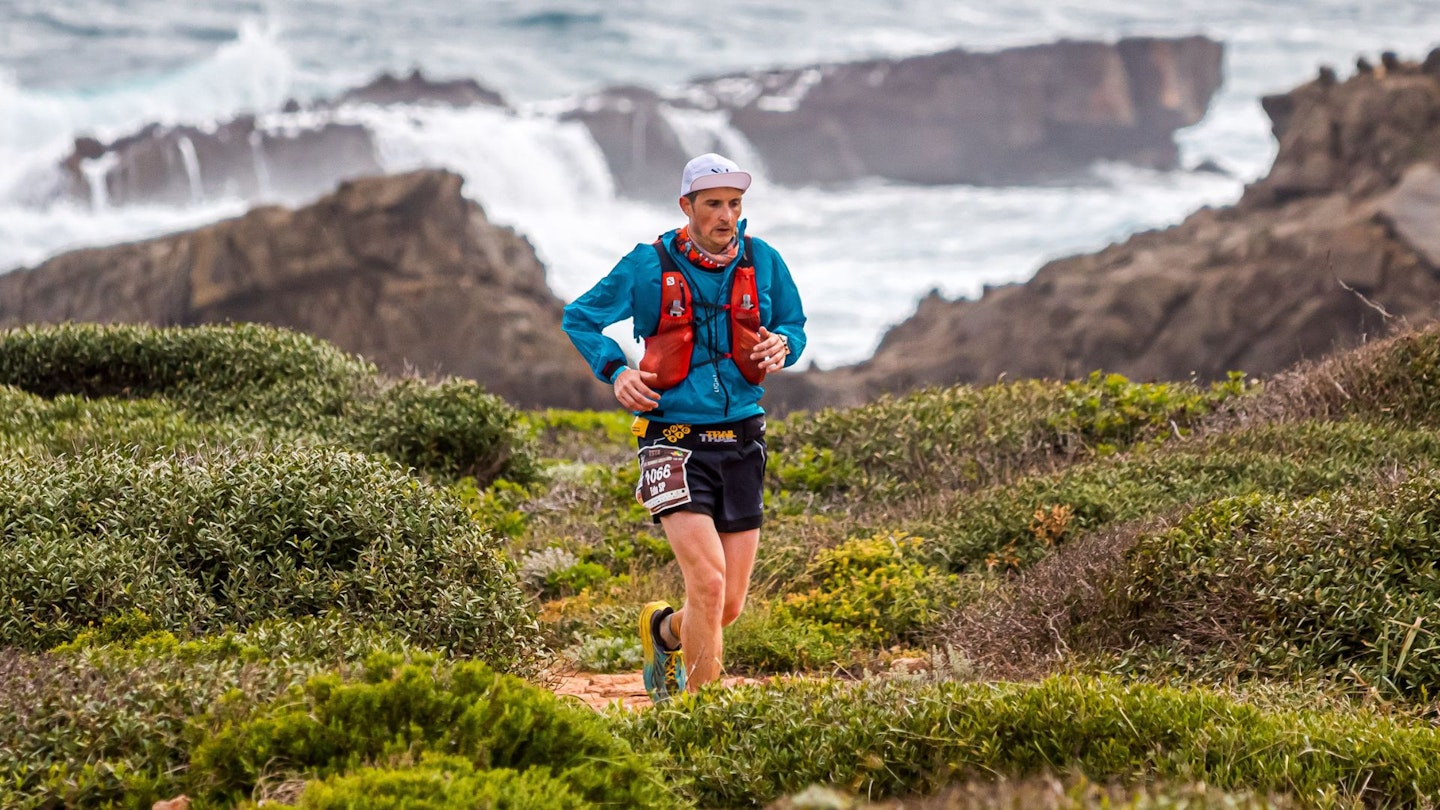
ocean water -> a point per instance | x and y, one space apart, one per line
863 254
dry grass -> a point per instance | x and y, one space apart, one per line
1025 629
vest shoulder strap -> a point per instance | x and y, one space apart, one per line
667 262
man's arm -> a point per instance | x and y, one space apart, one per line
586 317
787 315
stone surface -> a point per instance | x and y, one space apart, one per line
401 269
1413 210
1015 116
1344 225
416 88
293 157
182 165
1021 115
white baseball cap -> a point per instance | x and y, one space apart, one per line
712 171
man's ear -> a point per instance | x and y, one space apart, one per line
685 206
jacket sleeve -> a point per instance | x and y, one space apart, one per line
787 315
608 302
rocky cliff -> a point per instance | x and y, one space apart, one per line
1015 116
1020 115
1340 241
402 270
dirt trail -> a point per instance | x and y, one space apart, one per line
625 688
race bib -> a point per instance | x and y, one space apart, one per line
662 478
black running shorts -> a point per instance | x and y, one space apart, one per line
715 470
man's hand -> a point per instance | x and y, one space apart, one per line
632 389
770 351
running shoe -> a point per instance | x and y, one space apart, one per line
663 671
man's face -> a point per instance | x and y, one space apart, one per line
713 216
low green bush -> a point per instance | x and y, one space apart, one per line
440 783
101 723
965 437
1339 583
765 639
452 429
873 592
74 425
402 712
581 435
279 376
1393 380
602 654
206 543
178 389
887 738
1294 460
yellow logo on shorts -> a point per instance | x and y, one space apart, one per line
718 436
677 432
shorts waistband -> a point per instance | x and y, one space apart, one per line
719 435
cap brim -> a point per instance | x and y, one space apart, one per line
740 180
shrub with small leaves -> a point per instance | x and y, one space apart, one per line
965 437
206 543
402 712
884 738
538 565
1341 582
876 590
185 388
602 654
97 722
280 376
452 429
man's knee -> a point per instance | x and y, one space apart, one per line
732 610
706 588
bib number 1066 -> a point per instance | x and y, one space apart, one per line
662 478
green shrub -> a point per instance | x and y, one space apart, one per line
181 389
891 738
206 543
452 429
581 435
400 713
1339 583
873 591
965 437
600 654
439 783
767 639
101 722
1391 380
1287 459
280 376
74 425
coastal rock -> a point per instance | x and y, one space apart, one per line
181 165
641 148
1413 210
400 269
1015 116
1021 115
289 157
418 89
1337 243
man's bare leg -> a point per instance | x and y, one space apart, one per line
717 571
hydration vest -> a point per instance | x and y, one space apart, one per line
668 351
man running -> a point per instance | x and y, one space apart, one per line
718 311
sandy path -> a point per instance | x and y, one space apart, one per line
625 688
